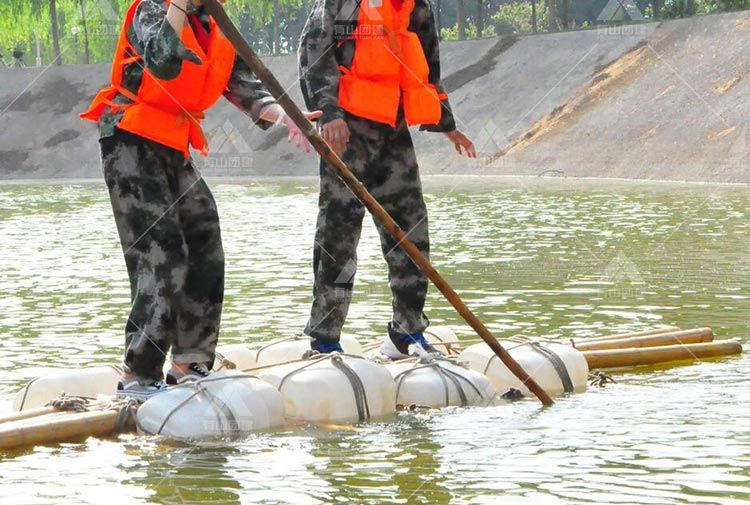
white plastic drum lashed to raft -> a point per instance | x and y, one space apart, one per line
225 404
443 339
556 368
333 388
438 382
88 382
245 357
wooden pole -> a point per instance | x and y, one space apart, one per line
26 414
695 336
652 331
614 358
377 210
58 427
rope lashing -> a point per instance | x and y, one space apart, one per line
127 410
224 363
445 375
360 395
558 364
555 360
337 360
598 378
221 409
276 342
512 395
67 403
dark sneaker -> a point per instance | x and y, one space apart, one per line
131 387
325 347
194 372
404 345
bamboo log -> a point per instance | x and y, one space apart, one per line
58 428
614 358
26 414
247 54
642 333
695 336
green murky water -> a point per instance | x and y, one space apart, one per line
540 257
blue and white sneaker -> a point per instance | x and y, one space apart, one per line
325 347
130 387
194 372
405 345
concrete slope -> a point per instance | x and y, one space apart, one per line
675 108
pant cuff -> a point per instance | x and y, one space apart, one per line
323 335
187 357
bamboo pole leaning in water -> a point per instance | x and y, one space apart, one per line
614 358
694 336
279 93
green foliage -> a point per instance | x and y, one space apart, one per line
518 16
685 8
451 33
99 21
262 21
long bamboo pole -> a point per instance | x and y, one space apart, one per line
272 84
27 414
694 336
614 358
652 331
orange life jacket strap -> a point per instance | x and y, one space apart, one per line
443 96
131 59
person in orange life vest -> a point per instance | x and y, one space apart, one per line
171 64
373 68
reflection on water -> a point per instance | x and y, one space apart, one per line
555 258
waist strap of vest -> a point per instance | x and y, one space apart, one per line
195 117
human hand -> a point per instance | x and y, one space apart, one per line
336 133
462 143
295 134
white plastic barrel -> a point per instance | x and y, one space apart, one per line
224 404
333 388
89 382
246 357
444 339
540 367
439 383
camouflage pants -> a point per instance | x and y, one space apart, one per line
382 158
169 230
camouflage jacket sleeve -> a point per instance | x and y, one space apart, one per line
318 64
423 24
154 38
247 93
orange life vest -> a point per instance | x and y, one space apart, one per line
389 66
169 112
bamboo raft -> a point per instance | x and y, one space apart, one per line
74 419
